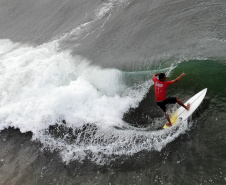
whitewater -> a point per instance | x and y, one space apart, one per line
42 86
77 100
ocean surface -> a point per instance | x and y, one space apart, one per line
77 102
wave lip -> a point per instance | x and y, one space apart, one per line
39 84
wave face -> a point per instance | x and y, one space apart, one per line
77 75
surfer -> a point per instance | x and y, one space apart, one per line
161 85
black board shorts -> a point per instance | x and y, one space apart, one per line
169 100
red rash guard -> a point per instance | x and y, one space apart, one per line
160 89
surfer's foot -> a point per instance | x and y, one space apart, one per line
188 106
168 124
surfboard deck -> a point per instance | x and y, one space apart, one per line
182 114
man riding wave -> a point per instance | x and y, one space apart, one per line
161 85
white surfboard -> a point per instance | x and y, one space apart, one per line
182 114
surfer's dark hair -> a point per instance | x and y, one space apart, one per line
161 76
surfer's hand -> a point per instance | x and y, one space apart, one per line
178 78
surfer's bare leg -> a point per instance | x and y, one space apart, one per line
169 124
182 104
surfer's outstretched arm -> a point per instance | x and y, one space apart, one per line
178 78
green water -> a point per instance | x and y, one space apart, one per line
199 155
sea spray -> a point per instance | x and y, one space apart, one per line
72 106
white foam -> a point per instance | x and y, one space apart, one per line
102 144
107 7
7 45
41 86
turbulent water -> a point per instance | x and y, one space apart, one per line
77 102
